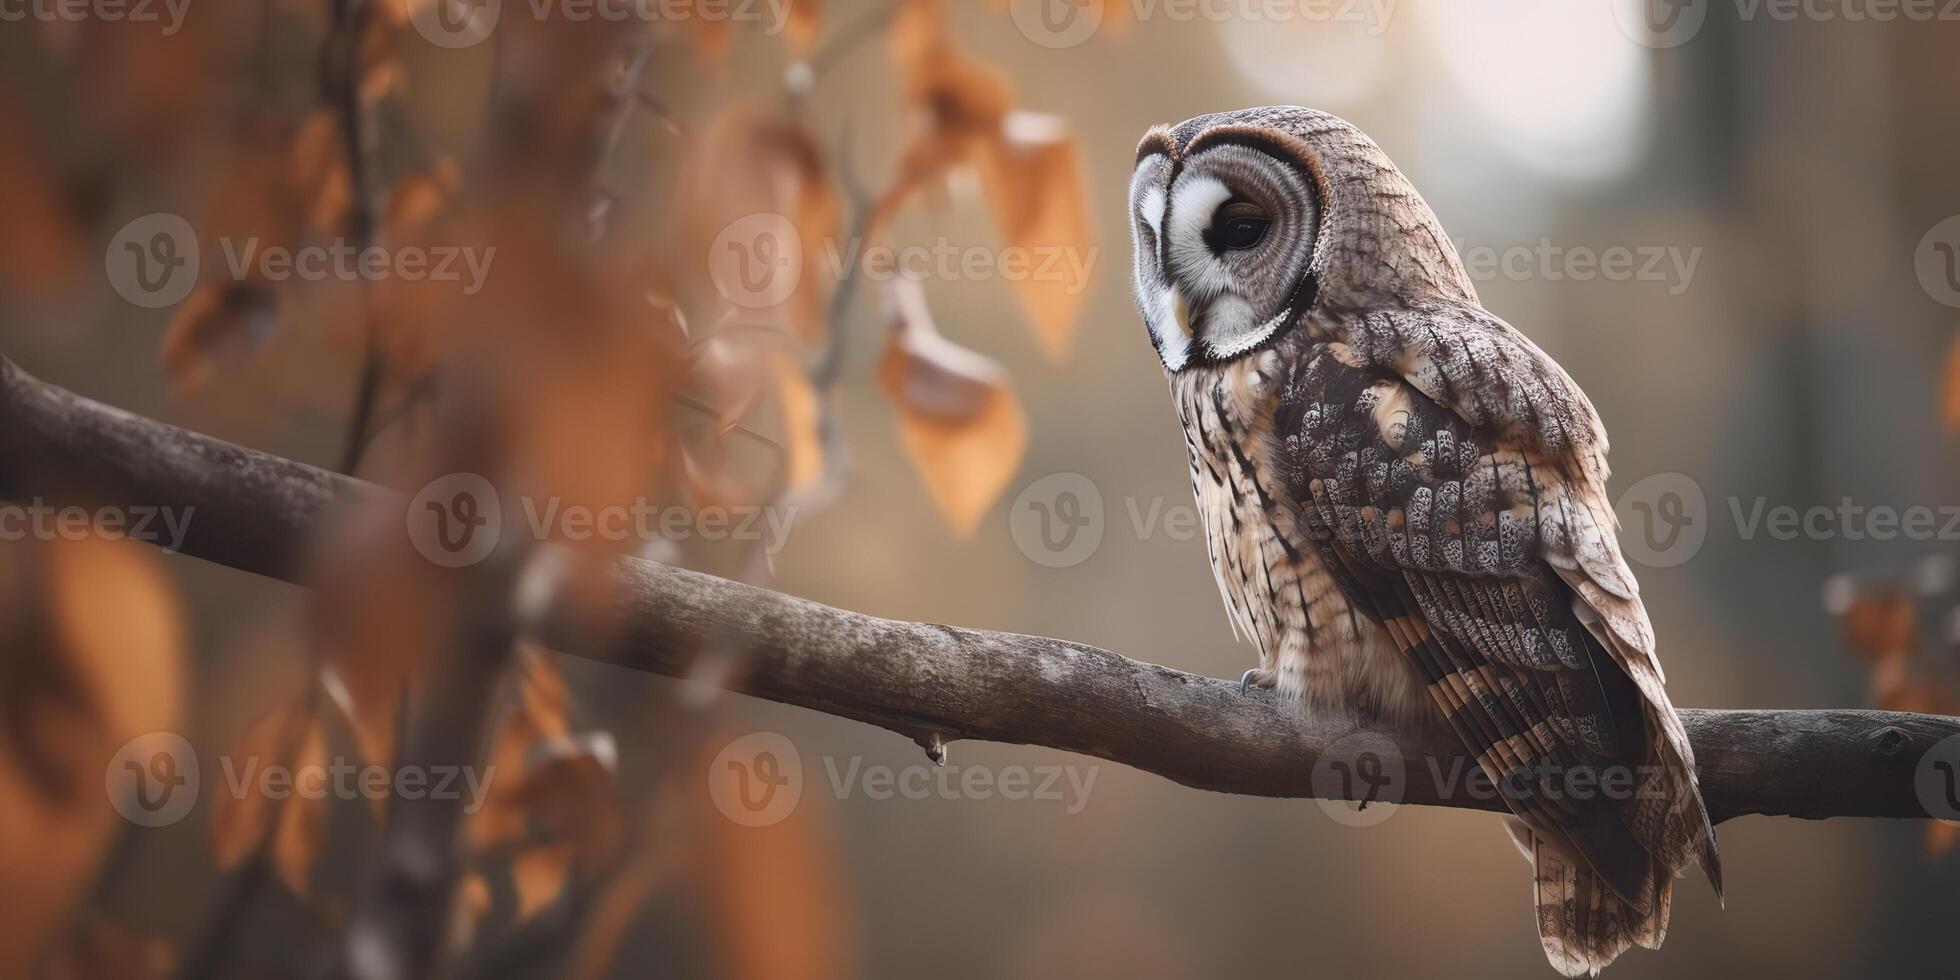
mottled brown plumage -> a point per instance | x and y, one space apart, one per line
1405 502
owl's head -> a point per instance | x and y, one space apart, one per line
1246 221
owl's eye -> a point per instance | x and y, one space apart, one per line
1238 226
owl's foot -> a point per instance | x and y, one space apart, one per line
1258 677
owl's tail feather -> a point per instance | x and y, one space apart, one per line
1581 923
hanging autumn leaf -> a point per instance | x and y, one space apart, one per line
318 173
217 324
1940 835
539 875
733 370
553 798
1110 15
960 104
959 419
472 905
40 246
90 659
1030 170
803 20
286 739
1880 624
1950 387
803 466
102 947
760 223
1032 177
788 867
419 195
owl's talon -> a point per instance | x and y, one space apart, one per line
1257 677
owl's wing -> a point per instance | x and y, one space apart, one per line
1457 477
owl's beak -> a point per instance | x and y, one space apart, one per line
1181 310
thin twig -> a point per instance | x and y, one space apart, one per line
341 79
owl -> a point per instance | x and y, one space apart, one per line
1404 502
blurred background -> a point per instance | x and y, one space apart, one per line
1734 228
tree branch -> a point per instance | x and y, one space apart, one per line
935 684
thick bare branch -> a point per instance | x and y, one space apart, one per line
935 684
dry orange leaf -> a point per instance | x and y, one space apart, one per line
1940 835
756 181
105 948
522 789
805 20
959 419
40 245
417 197
539 875
1880 625
802 420
286 738
788 868
1033 182
90 651
733 369
1950 387
472 904
1030 170
219 321
319 173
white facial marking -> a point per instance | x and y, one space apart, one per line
1154 294
1234 346
1151 210
1172 342
1194 201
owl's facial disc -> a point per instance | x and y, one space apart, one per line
1223 252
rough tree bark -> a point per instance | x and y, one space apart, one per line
935 684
